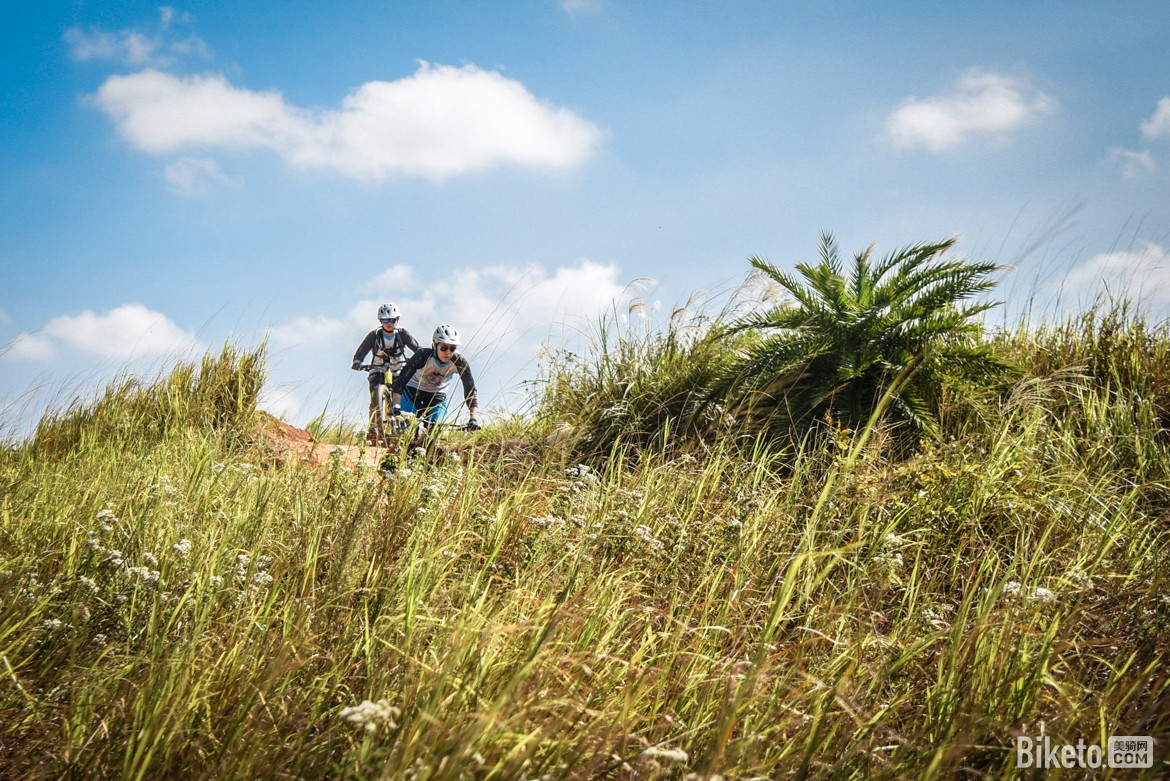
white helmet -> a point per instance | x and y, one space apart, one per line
446 334
388 311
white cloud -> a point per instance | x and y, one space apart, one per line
309 331
1141 274
980 104
133 47
1158 125
131 331
160 113
501 307
1134 165
399 277
128 47
439 122
281 402
504 314
195 176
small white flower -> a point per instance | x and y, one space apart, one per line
550 521
150 560
889 561
52 625
893 542
937 615
645 533
1043 595
371 715
148 576
1013 589
183 546
582 473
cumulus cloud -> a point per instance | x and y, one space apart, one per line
1133 164
504 314
310 331
127 46
134 47
492 306
499 307
128 332
196 176
1141 274
397 277
439 122
980 104
1158 126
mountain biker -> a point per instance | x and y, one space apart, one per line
387 343
425 382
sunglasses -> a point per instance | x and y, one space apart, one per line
447 348
388 319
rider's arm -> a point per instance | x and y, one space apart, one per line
363 348
469 395
408 340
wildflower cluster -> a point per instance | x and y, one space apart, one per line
1013 590
254 571
148 573
372 716
581 478
889 556
938 615
646 535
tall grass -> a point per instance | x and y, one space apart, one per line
638 384
190 607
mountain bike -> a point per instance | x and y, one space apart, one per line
404 430
386 427
418 438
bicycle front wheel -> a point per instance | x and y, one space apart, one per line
384 406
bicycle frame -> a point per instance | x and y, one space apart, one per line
389 428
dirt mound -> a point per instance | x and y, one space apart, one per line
284 443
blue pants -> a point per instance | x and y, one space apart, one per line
432 406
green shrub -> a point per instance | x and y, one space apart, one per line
891 334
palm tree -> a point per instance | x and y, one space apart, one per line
896 329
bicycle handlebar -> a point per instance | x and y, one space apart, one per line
427 423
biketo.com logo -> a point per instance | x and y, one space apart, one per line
1120 751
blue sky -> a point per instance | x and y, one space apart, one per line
176 176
